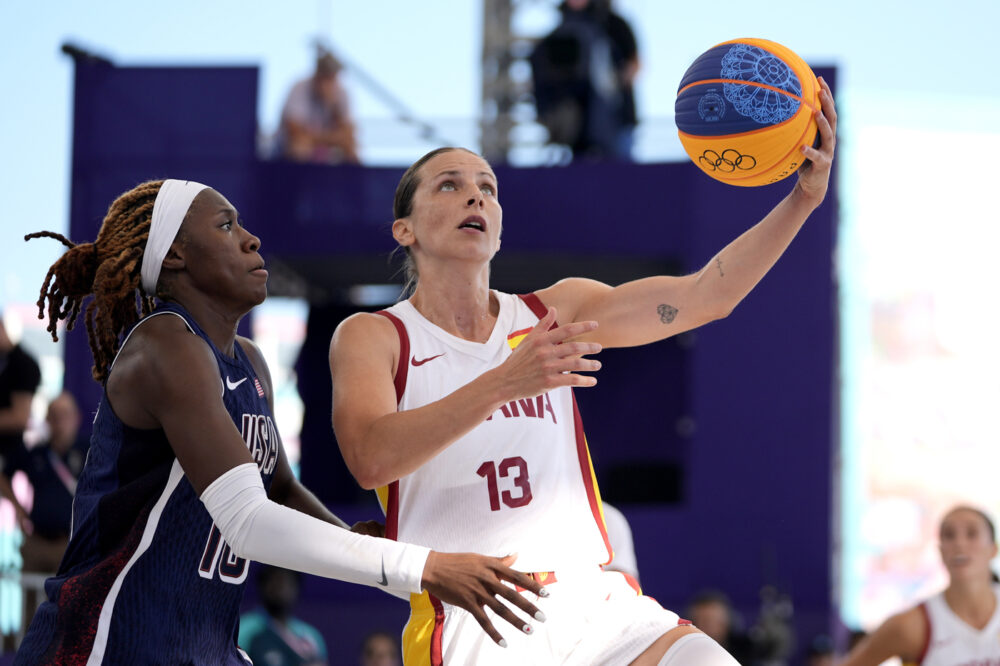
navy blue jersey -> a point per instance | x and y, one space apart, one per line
147 577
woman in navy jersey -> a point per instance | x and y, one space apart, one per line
186 478
960 626
455 404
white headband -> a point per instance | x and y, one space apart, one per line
171 205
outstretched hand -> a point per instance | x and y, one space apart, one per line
473 582
814 174
544 360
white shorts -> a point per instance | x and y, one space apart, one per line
592 617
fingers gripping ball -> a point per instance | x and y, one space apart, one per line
743 110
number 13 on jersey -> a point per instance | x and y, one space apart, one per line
514 468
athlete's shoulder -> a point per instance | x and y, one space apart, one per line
568 295
160 341
364 341
161 359
365 330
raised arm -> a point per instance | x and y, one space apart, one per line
655 308
381 444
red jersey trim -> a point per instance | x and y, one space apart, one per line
535 305
437 648
634 584
399 381
927 637
392 512
589 483
539 309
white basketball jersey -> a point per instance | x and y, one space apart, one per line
952 642
520 482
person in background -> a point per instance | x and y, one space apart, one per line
380 648
712 612
272 635
316 124
52 468
620 538
582 76
19 379
625 56
961 624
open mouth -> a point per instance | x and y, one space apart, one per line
473 222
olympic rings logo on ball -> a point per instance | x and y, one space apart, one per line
729 161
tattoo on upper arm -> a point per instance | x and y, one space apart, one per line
718 262
667 312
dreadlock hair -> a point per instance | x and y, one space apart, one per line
109 270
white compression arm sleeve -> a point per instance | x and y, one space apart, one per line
258 529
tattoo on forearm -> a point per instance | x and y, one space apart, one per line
666 312
718 262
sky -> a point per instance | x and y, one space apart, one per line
892 56
918 113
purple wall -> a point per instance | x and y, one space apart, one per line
752 486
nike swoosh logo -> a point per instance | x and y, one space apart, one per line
385 581
415 362
231 385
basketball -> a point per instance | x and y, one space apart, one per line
744 108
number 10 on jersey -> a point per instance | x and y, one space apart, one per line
517 469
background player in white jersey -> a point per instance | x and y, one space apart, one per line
959 626
456 404
174 496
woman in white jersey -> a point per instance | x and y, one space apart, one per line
456 404
959 626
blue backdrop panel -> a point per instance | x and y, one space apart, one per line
132 124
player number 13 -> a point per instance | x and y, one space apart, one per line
508 466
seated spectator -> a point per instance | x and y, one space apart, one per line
316 124
272 636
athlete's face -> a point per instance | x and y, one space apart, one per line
219 255
966 544
456 211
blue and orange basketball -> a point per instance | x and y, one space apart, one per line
744 109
